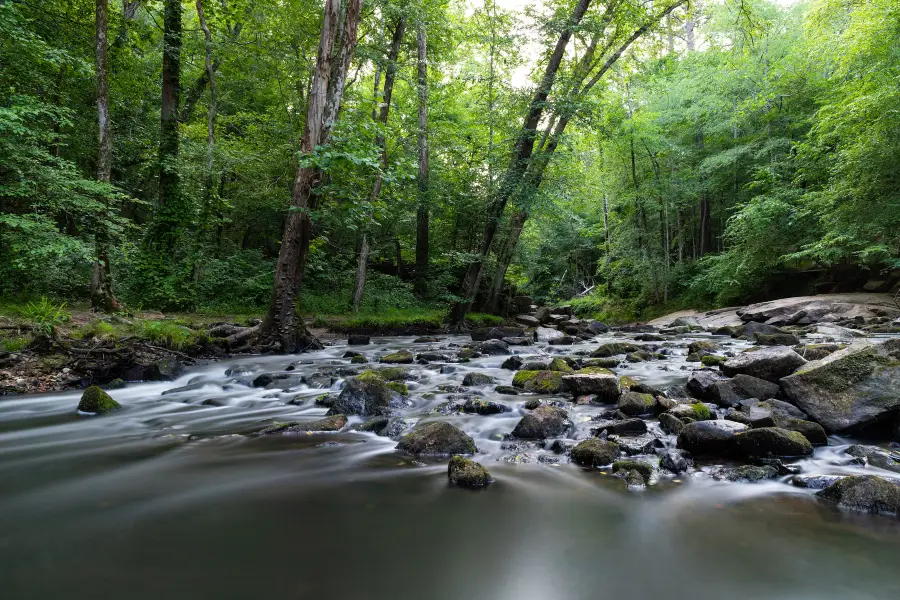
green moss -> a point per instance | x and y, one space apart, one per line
403 357
594 371
626 382
542 382
100 330
168 334
701 411
711 360
359 360
523 378
645 469
398 387
394 373
558 364
607 363
370 376
15 343
95 400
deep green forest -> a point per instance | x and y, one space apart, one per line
337 156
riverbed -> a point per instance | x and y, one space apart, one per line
171 496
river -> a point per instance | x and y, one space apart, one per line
168 498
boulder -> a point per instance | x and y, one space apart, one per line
542 314
522 303
845 306
543 422
746 473
812 352
540 382
645 469
357 339
696 411
709 437
528 320
614 349
702 384
876 457
465 472
94 400
401 357
676 461
634 404
478 406
594 452
770 413
754 387
437 438
493 347
853 387
546 334
566 340
513 363
558 364
770 364
670 423
623 427
604 386
776 339
365 395
867 493
751 329
596 327
477 379
506 389
771 442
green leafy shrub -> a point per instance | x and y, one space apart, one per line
46 316
165 333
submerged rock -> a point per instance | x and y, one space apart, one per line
746 473
853 387
465 472
770 364
95 400
437 438
867 493
332 423
543 422
645 469
594 452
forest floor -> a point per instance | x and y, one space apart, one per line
45 346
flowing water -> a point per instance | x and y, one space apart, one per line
169 498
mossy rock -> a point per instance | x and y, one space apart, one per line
614 349
465 472
701 412
94 400
403 357
532 404
359 360
605 363
116 384
540 382
477 379
634 404
747 473
330 423
698 346
398 387
395 374
626 382
712 360
437 438
594 452
593 371
466 354
645 469
772 442
559 365
868 493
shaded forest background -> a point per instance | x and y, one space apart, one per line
733 151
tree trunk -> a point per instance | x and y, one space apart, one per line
389 77
102 297
516 224
422 215
281 323
171 212
518 165
209 198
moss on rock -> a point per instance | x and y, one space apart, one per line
94 400
594 452
645 469
402 357
541 382
465 472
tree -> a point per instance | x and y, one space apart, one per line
102 297
422 179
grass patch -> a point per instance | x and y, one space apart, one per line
15 343
168 334
483 320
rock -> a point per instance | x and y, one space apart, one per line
853 387
732 414
94 400
365 395
167 369
527 320
357 339
477 379
770 364
709 437
701 384
624 427
814 432
812 352
483 407
558 364
522 303
614 349
506 389
776 339
330 423
426 340
696 411
676 461
465 472
543 422
466 353
437 438
594 452
867 493
845 306
634 404
815 482
402 357
712 360
430 357
754 387
699 345
597 328
116 384
770 413
541 382
496 333
635 445
545 334
670 423
374 425
543 314
772 442
875 457
517 341
513 363
532 404
604 386
566 340
645 469
349 354
359 360
492 347
746 473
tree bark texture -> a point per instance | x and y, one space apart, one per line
422 212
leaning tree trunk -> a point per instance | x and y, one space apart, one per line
281 324
511 180
102 297
389 77
516 224
422 216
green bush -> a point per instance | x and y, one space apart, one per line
46 316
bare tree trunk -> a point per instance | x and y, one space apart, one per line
518 165
516 224
422 212
102 297
281 323
389 77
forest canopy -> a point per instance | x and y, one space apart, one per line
330 157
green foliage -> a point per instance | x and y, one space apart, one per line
15 343
167 334
46 316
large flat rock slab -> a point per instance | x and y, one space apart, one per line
711 319
845 306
